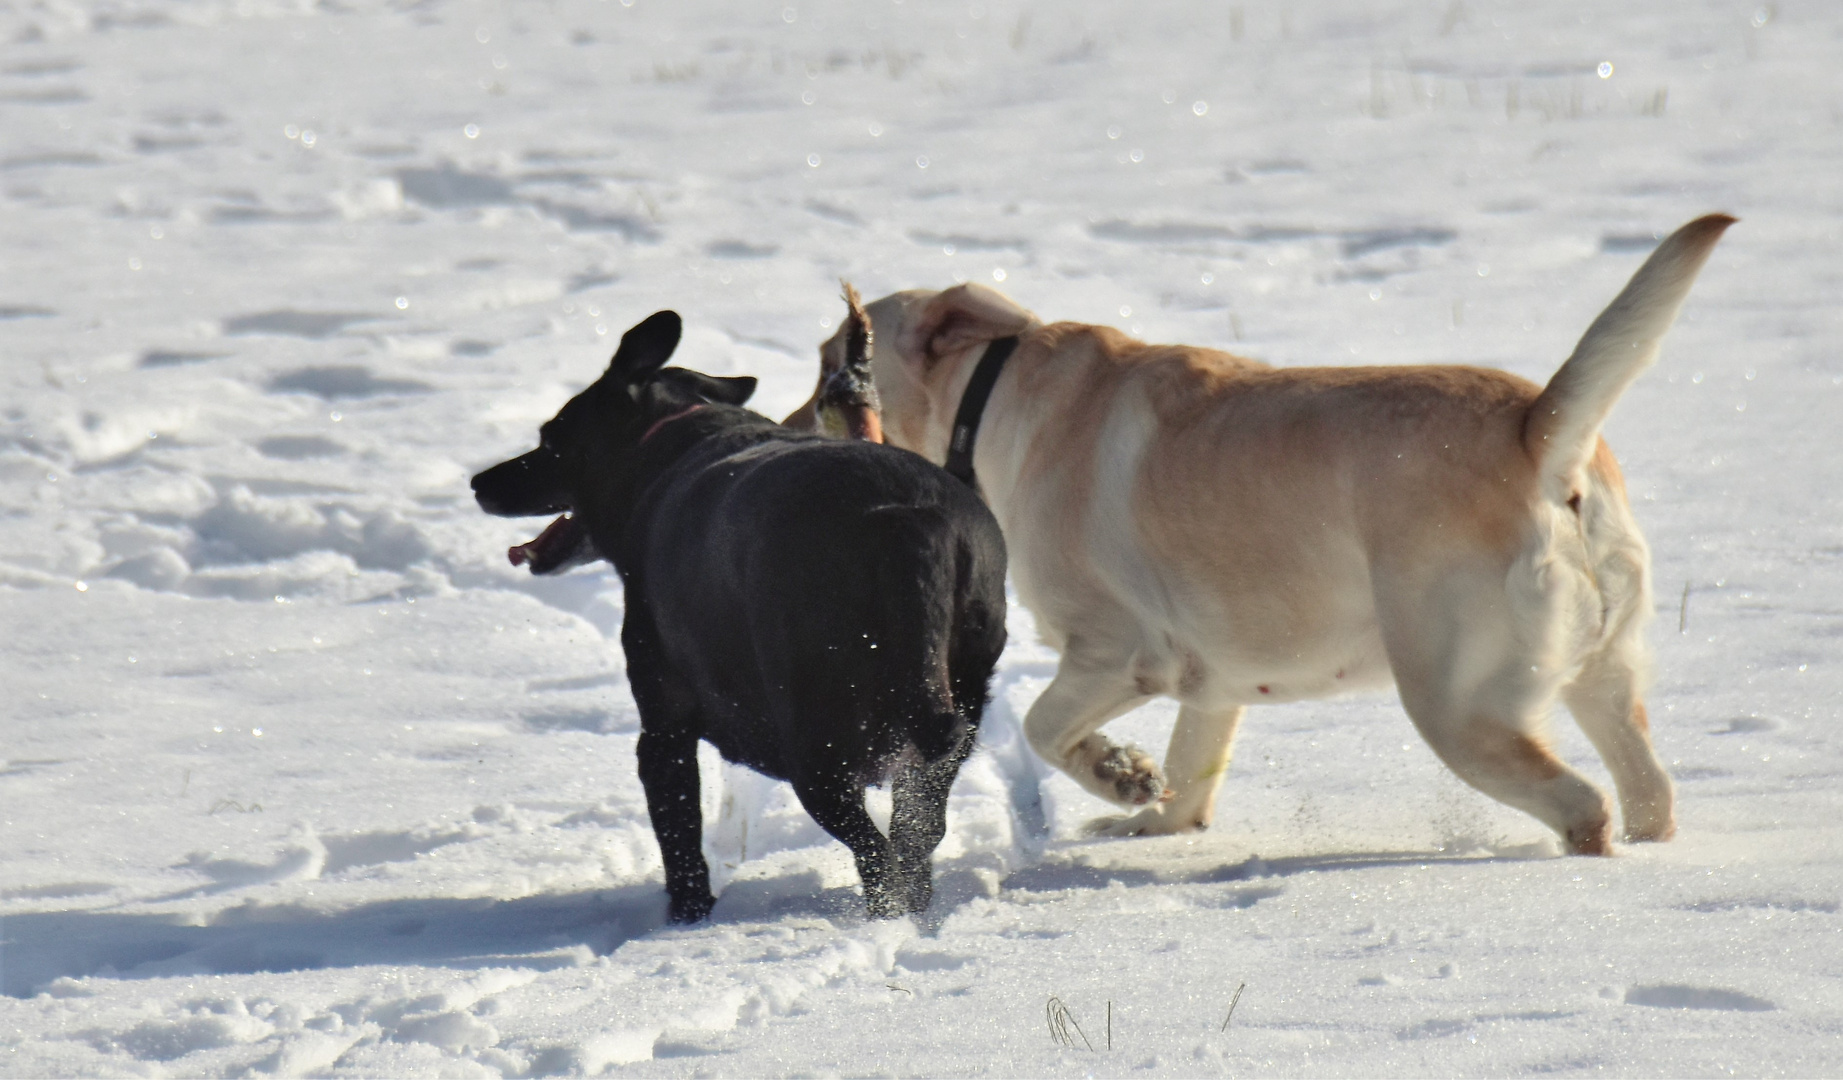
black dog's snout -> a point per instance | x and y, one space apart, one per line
527 484
486 490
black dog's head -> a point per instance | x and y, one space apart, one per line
584 449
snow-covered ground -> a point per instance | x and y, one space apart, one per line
301 778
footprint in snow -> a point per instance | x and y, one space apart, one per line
16 766
589 279
287 322
1748 725
593 721
39 68
952 242
343 381
374 848
50 95
920 960
1675 996
739 249
299 447
447 188
161 358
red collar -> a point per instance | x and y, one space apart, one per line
664 420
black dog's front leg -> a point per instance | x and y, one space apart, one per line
669 773
668 753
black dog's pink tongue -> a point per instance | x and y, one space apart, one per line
558 540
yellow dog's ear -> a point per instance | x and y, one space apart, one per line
858 337
851 345
962 317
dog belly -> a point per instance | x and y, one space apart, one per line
750 743
1312 673
1218 647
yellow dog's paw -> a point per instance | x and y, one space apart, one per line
1152 821
1132 776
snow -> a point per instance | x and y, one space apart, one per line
301 778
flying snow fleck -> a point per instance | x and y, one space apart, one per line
1606 69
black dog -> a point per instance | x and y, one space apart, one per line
826 612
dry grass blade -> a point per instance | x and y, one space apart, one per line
1062 1023
1234 1001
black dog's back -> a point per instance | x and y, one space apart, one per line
832 602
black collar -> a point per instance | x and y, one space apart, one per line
972 407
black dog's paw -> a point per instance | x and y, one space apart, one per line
921 894
886 902
691 909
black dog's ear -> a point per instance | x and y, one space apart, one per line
646 348
731 390
726 390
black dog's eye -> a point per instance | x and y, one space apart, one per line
561 451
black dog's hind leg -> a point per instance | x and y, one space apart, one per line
838 806
918 820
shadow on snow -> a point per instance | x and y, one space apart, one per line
539 932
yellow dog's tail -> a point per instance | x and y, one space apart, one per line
1563 424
